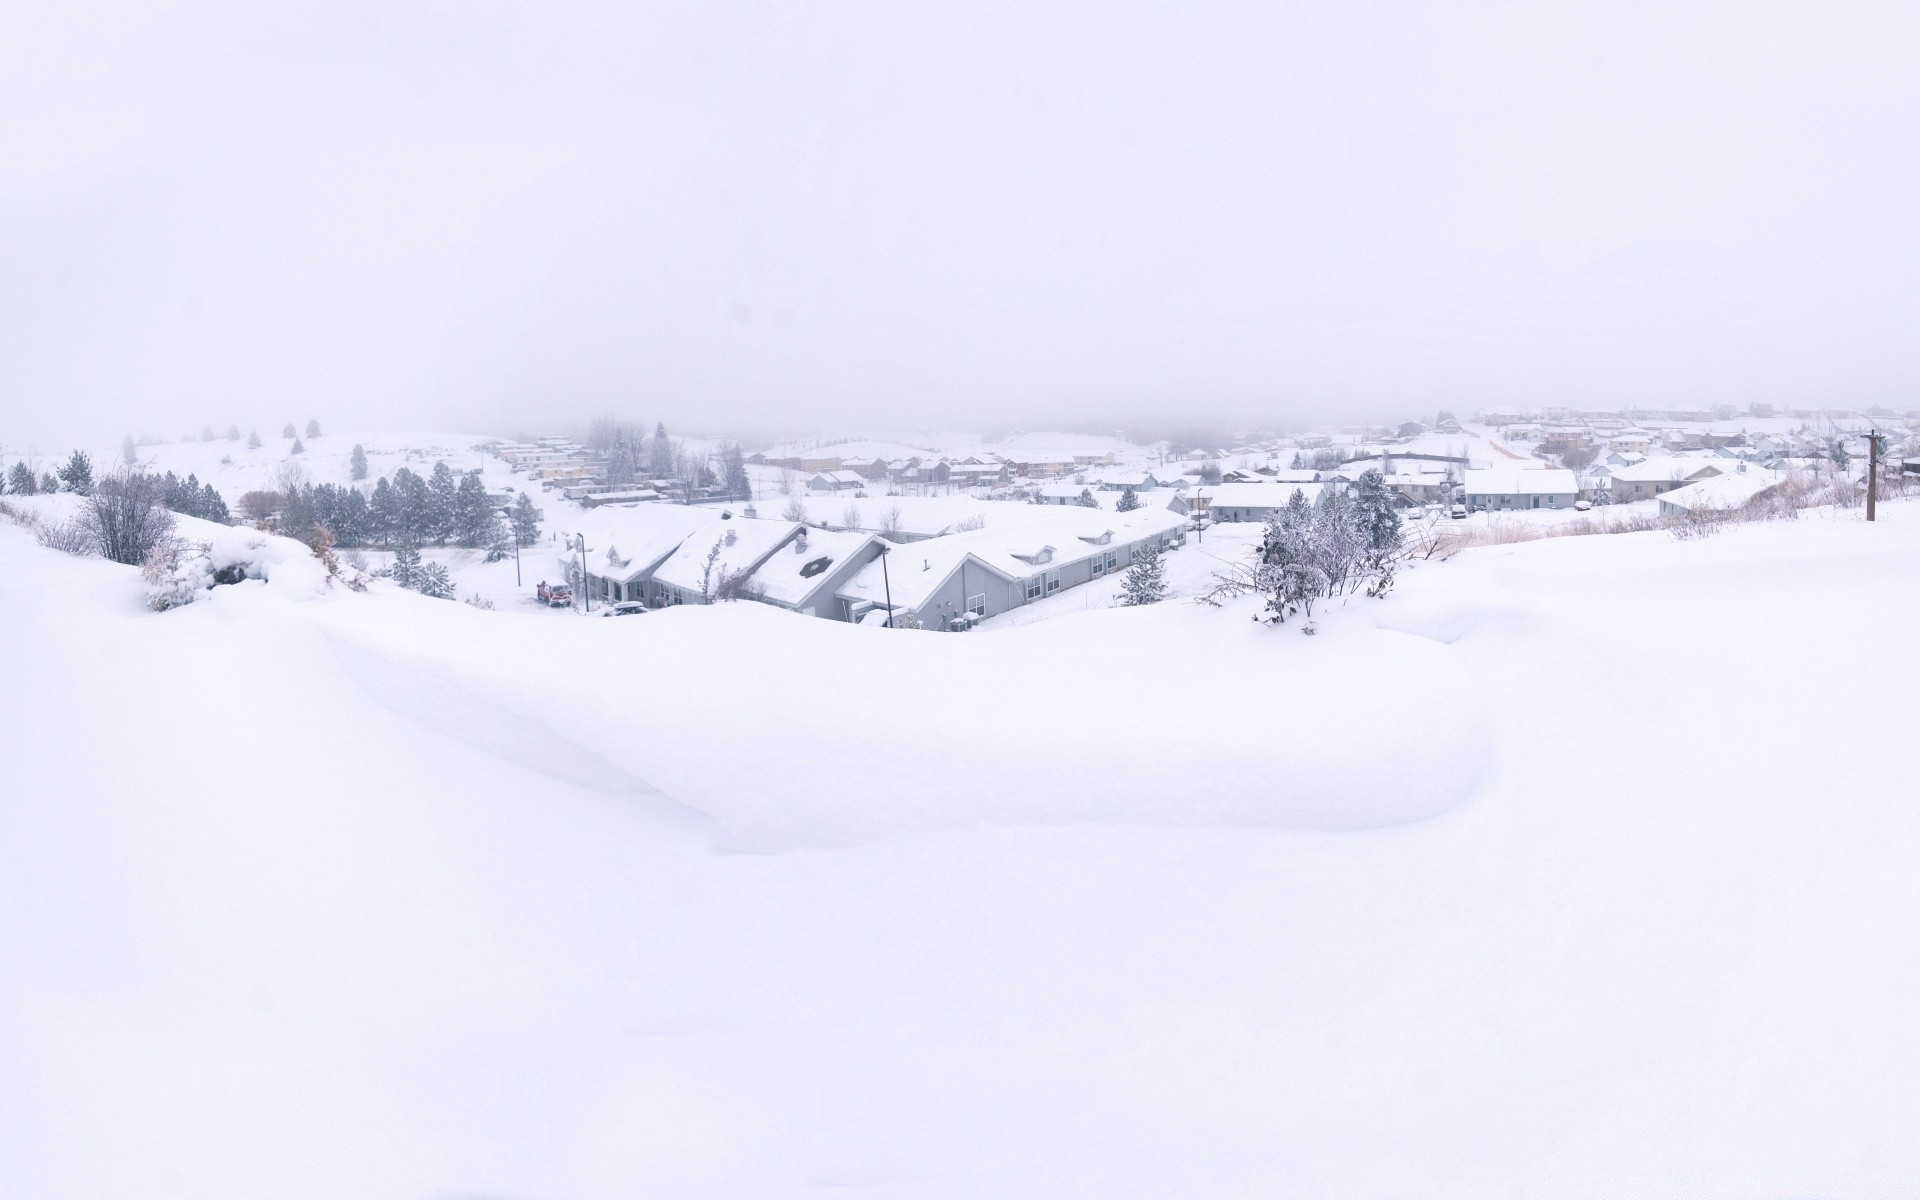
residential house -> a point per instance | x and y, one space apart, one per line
1509 489
1651 477
1237 502
1728 490
836 481
806 574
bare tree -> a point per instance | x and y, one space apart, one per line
128 517
796 510
851 518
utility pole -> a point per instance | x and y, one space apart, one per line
1873 470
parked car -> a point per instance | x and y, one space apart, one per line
625 608
1582 505
1458 512
560 597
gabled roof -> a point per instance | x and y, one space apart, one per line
1668 469
1730 490
1260 495
625 543
744 543
791 575
1544 481
1058 536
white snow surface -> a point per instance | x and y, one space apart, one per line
1558 872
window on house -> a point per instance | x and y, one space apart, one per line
1033 589
1053 582
1113 559
977 605
1096 564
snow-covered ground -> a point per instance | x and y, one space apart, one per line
1578 867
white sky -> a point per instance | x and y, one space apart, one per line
805 215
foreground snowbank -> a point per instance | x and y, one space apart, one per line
789 731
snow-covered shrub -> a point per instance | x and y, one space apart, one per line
1335 546
177 572
480 602
128 517
71 536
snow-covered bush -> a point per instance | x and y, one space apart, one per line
177 573
70 536
1333 547
128 517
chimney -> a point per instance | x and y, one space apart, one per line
732 536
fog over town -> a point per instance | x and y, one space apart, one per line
762 220
986 600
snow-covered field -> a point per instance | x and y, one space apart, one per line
1577 867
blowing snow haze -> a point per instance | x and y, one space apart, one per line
780 217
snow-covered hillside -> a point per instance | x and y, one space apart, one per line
1577 867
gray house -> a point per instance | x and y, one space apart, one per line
951 581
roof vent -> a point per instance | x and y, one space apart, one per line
733 535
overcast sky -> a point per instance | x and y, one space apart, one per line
807 215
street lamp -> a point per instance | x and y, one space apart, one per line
886 582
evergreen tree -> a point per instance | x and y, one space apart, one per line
289 431
298 448
253 439
213 506
382 513
621 462
1127 502
297 512
313 429
1086 499
1299 464
233 433
474 524
1146 579
734 467
350 520
406 563
129 453
442 490
77 475
661 466
412 507
1209 472
206 433
358 464
526 520
48 483
1378 517
20 480
433 580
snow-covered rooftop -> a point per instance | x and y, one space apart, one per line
1522 481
